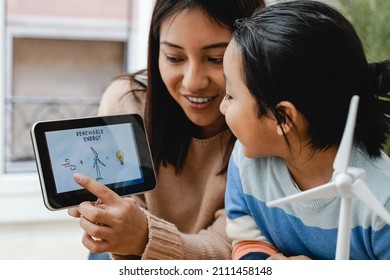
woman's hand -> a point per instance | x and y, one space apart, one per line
114 224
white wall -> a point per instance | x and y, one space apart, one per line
27 229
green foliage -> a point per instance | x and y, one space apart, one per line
387 147
371 19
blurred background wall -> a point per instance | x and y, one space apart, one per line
57 58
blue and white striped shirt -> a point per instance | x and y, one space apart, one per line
307 227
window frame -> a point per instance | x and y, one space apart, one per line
20 193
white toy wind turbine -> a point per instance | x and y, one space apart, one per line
347 182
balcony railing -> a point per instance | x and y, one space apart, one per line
23 111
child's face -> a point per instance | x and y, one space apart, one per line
258 135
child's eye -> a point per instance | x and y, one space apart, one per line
173 59
228 96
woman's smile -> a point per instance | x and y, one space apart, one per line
200 102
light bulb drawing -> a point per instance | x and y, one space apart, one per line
120 156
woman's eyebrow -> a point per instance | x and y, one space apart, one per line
211 46
171 45
216 46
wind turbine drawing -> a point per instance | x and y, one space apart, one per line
96 162
348 183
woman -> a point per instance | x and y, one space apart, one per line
183 218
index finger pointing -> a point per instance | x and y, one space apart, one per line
102 192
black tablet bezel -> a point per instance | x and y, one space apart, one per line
56 201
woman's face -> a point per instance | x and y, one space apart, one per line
258 135
190 62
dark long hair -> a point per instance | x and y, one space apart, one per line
169 129
308 53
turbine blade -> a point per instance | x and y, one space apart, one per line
326 190
94 152
361 191
343 153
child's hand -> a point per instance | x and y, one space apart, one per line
280 256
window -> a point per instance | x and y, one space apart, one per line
57 57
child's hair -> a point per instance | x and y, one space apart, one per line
308 53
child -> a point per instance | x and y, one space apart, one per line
291 70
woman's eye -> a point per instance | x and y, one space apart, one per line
173 59
216 60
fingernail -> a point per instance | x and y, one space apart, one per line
77 177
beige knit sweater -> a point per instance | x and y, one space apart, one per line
186 217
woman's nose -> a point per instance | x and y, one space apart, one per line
195 78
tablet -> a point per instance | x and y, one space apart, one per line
113 150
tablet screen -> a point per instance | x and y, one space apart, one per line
105 153
112 150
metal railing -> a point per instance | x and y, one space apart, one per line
23 111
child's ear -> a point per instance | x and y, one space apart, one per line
291 113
